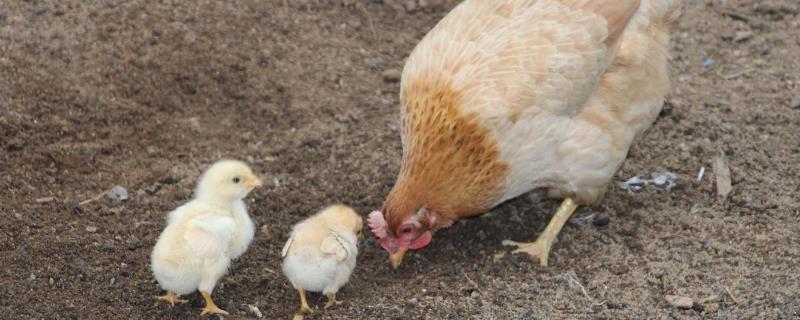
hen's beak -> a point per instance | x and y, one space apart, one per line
254 183
396 258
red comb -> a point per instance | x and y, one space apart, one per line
377 224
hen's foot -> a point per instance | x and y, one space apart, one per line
541 247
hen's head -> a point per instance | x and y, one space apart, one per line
401 232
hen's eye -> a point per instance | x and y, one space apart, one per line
236 180
406 230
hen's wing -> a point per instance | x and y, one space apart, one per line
208 235
517 58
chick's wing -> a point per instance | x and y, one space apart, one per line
208 235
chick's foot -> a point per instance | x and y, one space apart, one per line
172 298
304 308
331 300
211 307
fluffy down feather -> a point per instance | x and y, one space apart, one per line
321 251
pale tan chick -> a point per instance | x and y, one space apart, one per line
503 97
203 235
321 252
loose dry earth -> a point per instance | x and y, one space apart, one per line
145 94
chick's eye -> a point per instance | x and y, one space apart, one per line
236 180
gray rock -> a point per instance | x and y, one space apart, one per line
118 194
795 103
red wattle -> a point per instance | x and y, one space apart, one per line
421 241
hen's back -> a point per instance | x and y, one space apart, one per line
514 59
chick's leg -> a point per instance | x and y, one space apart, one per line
172 298
304 309
331 300
541 247
211 307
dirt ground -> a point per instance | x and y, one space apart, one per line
145 94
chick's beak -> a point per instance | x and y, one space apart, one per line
360 235
396 258
254 182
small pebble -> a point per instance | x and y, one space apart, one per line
392 75
168 180
75 207
23 251
602 222
679 302
742 36
410 6
117 194
255 310
52 281
795 103
91 229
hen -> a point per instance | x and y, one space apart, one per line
503 97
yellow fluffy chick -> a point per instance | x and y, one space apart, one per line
320 254
203 235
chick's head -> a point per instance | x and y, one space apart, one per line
227 180
346 217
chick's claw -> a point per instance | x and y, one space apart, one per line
331 300
171 298
213 310
305 310
539 249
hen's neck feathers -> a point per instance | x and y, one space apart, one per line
450 163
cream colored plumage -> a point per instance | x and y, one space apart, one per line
321 251
203 235
506 96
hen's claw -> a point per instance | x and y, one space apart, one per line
539 249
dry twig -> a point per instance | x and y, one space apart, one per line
723 173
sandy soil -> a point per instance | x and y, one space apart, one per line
145 94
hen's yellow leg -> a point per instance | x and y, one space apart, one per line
304 309
172 298
211 307
541 247
331 300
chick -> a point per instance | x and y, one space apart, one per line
203 235
320 254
